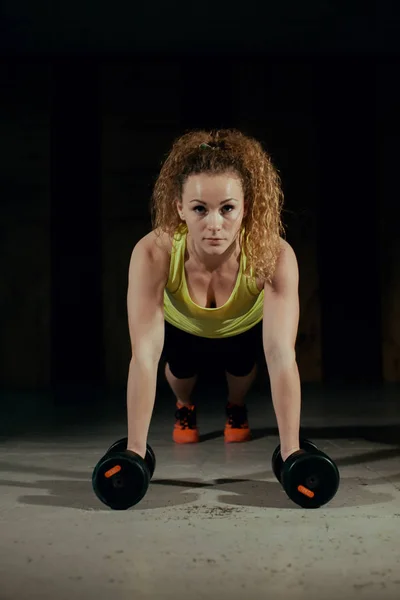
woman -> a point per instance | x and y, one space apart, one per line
214 280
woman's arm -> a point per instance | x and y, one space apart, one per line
280 326
148 273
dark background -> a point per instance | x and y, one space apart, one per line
92 96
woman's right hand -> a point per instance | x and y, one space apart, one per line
137 449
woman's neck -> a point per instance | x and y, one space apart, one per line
211 264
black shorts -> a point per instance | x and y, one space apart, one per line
187 354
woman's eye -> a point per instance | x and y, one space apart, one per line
196 208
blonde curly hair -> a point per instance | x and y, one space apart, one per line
217 152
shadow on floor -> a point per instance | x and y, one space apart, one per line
248 491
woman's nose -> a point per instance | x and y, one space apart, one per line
214 221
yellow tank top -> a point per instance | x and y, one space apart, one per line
243 310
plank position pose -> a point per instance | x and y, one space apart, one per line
215 278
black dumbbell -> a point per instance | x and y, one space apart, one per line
121 477
277 462
309 477
150 458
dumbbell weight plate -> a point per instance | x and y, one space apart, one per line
150 458
310 480
118 446
277 462
120 480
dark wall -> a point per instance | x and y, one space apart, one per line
76 239
349 241
25 245
387 159
332 129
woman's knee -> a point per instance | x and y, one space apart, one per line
181 370
242 369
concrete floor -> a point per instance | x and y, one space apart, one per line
215 523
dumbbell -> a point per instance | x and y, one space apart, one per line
309 477
121 477
150 458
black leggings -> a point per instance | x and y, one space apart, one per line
186 354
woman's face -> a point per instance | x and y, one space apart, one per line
213 208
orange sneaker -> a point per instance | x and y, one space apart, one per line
185 428
237 427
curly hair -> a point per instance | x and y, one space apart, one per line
218 152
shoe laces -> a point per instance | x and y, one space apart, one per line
186 417
237 415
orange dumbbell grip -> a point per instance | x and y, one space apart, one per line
112 471
305 491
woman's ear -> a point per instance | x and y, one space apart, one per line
180 209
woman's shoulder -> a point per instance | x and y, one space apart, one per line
285 247
154 249
158 242
286 266
157 245
286 263
286 251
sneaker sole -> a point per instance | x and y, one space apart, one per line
189 440
232 440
